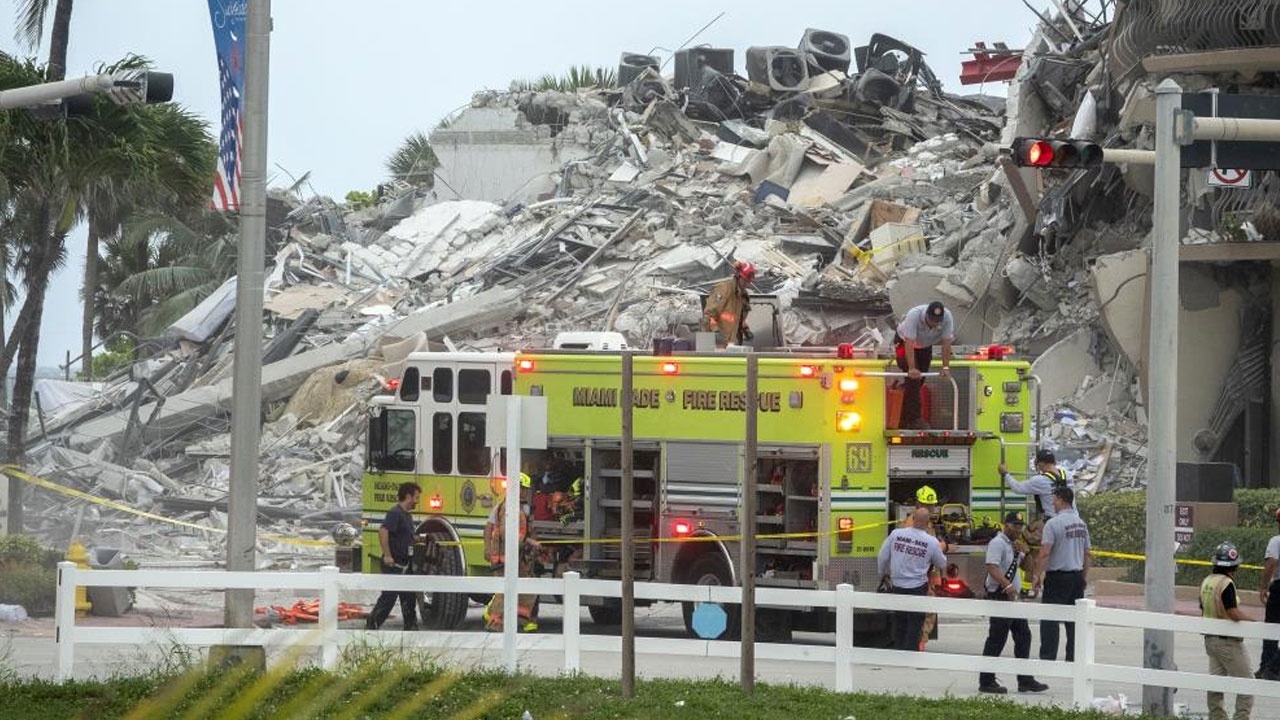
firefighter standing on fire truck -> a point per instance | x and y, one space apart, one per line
728 306
494 552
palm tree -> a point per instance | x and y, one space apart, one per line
56 168
414 162
173 159
160 267
31 14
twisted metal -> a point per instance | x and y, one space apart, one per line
1164 27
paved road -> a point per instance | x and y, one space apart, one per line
29 649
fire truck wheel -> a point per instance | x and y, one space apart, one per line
442 611
712 569
608 614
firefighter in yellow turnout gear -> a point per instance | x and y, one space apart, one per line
494 551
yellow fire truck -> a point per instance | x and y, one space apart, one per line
834 475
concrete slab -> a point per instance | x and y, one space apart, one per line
915 287
281 379
1208 341
1064 366
1120 285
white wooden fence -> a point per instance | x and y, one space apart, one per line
1090 620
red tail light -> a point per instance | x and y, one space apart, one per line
955 585
524 365
393 384
681 528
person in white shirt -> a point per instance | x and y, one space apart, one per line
921 328
1002 582
906 557
1269 593
1048 476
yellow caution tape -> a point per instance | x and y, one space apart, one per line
1180 561
15 472
812 535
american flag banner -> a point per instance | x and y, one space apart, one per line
228 18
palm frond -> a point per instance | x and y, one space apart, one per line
414 162
30 27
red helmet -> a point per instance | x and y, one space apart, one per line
744 270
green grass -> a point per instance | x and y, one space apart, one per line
378 687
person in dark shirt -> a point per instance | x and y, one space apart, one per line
395 539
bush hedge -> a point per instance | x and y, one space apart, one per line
1117 522
34 588
1251 542
28 574
1258 507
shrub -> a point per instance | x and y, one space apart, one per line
359 200
1252 543
1117 522
1258 507
30 586
23 550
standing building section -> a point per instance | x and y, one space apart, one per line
833 473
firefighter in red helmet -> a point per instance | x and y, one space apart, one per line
728 306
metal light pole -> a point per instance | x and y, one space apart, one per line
1162 400
628 527
246 401
747 565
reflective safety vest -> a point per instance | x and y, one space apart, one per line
1211 596
1059 478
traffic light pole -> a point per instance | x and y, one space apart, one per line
124 88
45 93
1175 128
1162 402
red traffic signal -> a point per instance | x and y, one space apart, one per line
1047 153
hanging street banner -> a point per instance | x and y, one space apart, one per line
229 18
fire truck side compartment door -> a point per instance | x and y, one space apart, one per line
703 476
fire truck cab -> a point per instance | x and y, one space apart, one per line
833 473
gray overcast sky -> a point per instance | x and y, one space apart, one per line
351 79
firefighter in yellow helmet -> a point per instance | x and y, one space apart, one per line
927 497
495 549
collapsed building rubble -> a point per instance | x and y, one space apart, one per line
856 185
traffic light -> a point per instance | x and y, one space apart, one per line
1049 153
128 87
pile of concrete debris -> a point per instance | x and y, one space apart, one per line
859 193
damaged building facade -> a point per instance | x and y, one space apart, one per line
841 169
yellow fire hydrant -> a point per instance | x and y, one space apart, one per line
78 555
